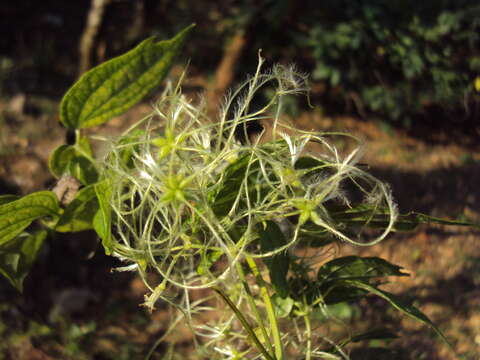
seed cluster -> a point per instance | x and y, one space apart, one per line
189 199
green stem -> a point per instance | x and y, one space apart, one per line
245 324
279 354
308 328
253 306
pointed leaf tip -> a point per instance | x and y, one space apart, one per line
116 85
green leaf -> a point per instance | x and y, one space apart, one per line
398 304
419 218
309 164
315 236
365 269
378 217
15 216
336 293
129 145
228 189
358 268
69 160
244 169
247 327
369 215
18 255
102 221
271 238
79 214
116 85
282 306
83 146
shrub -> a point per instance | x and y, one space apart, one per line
398 57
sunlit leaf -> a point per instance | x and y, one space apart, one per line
116 85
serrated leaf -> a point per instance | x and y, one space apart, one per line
79 214
102 220
116 85
18 255
271 238
398 304
69 160
15 216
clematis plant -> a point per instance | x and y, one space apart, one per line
216 221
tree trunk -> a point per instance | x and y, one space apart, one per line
94 19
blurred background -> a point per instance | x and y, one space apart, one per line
403 75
